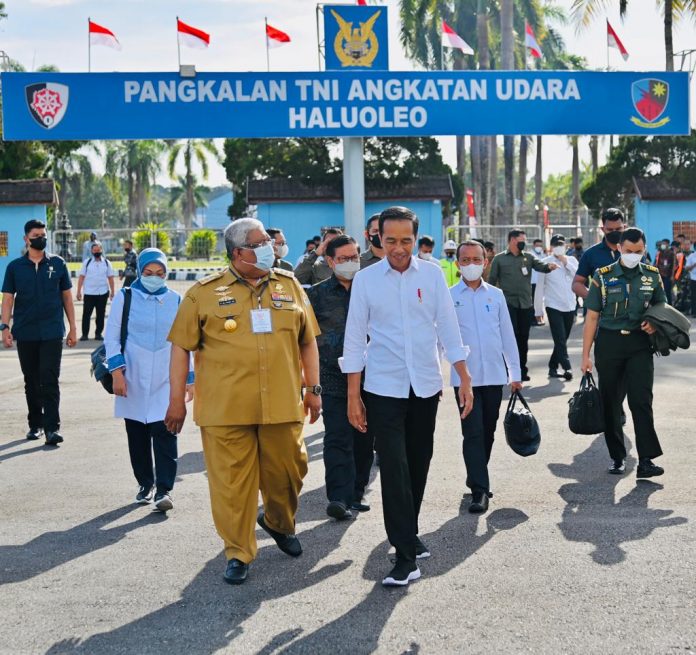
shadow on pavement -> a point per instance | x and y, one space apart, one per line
592 514
11 444
51 549
27 451
361 627
210 613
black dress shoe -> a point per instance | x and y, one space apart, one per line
553 373
526 378
646 469
359 507
53 439
34 434
337 510
618 467
236 572
288 543
479 502
568 375
84 337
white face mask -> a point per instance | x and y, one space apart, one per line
539 250
283 251
347 271
471 272
631 259
558 250
427 256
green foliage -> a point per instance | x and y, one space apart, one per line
201 244
85 210
142 237
671 157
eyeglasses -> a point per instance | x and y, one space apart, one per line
254 246
345 260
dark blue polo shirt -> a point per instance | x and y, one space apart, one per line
38 292
596 257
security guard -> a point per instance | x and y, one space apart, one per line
250 327
618 297
36 292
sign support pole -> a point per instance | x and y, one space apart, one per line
353 187
89 48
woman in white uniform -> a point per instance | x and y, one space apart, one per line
141 376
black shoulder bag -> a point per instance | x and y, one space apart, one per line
99 368
585 413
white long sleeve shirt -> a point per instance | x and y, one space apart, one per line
554 289
485 325
404 315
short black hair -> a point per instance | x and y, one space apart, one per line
471 242
340 241
578 240
33 224
332 230
558 239
309 242
374 217
512 234
127 241
633 234
538 241
272 231
681 236
316 237
398 214
612 214
489 245
426 240
675 244
667 241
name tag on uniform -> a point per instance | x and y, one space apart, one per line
525 271
261 321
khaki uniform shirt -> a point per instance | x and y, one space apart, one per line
244 378
513 274
368 258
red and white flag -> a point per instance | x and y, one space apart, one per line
192 36
99 35
531 42
450 39
275 37
362 3
613 41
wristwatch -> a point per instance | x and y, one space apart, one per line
316 389
4 326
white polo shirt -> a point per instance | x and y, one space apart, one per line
96 272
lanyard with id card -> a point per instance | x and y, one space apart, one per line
261 321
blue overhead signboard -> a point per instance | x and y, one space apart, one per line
356 37
82 106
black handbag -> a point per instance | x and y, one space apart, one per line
99 369
585 412
521 428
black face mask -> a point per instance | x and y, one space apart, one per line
578 247
376 241
38 243
521 245
97 255
128 249
613 238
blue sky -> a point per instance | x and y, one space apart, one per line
55 32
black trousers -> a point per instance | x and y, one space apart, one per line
692 285
521 323
667 283
403 429
348 454
626 362
143 439
97 303
560 323
40 363
478 431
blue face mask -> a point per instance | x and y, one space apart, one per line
265 257
152 283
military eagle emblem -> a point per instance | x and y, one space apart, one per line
356 46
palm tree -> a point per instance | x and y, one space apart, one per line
180 197
575 177
191 151
507 11
70 166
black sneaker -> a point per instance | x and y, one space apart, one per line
34 434
84 337
359 506
553 373
402 573
288 543
526 378
479 502
646 469
53 439
144 496
618 467
422 551
163 501
98 337
568 375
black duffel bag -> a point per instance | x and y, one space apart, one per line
99 368
585 412
521 428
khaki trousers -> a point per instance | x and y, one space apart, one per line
243 459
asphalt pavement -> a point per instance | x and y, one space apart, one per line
568 559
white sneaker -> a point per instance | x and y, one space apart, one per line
401 575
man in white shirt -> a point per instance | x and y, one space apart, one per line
485 325
97 280
403 305
555 290
690 267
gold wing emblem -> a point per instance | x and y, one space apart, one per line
356 46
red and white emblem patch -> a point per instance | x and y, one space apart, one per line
47 103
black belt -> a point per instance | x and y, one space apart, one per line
624 333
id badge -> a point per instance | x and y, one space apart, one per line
261 321
525 272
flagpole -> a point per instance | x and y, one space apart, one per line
268 57
178 45
607 39
89 48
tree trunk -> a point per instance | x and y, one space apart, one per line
538 179
493 180
475 154
508 63
575 208
669 47
480 145
190 204
522 178
594 154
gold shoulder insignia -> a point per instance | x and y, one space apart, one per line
282 271
605 269
652 268
211 278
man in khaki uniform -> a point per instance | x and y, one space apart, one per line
254 336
